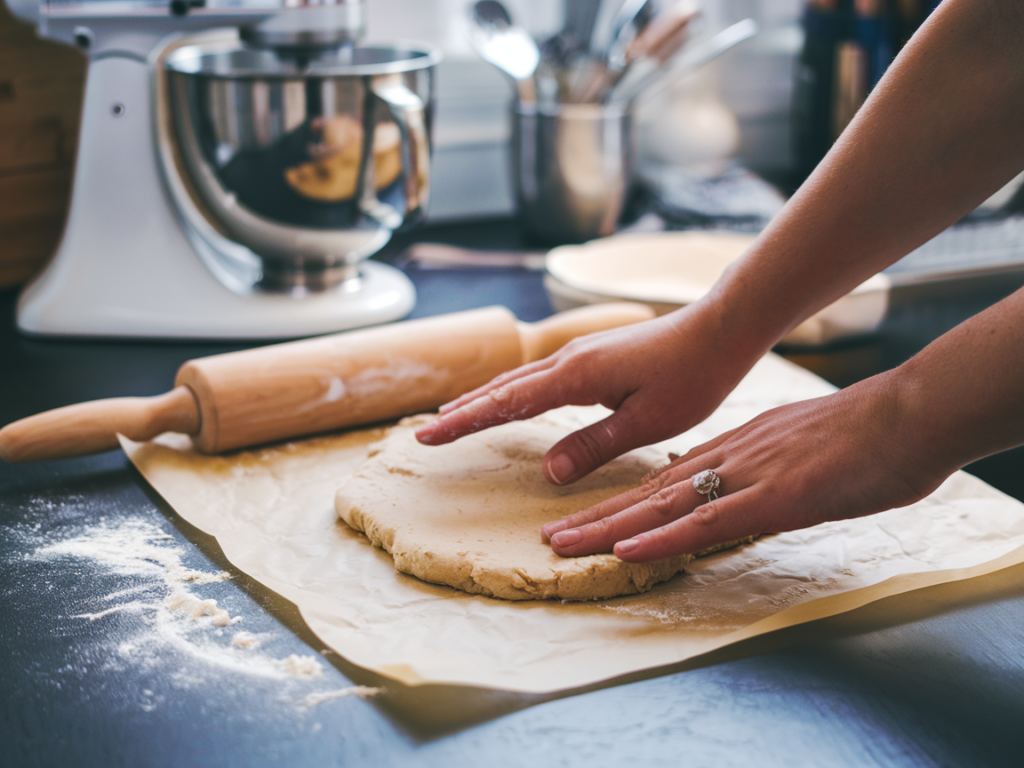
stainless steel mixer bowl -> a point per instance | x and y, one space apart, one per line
310 164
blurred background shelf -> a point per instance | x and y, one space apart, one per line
41 87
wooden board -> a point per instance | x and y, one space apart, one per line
41 87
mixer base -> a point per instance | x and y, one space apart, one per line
208 310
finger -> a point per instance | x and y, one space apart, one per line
599 511
653 512
680 471
520 399
498 381
585 450
677 462
582 452
727 518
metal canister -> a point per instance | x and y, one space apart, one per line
572 165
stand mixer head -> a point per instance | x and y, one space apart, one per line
233 182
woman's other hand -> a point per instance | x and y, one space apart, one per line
845 455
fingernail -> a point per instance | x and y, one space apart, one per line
567 538
561 469
549 530
627 546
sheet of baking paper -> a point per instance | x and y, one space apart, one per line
272 512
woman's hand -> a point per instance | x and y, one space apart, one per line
660 378
845 455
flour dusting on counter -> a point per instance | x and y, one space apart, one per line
362 691
161 619
163 596
131 548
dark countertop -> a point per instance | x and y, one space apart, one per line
931 678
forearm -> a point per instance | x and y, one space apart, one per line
938 136
962 397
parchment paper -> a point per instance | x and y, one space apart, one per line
272 512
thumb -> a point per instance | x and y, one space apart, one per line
583 451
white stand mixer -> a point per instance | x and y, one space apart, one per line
129 265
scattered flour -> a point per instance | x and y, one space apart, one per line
183 602
301 666
134 605
245 640
132 548
362 691
172 615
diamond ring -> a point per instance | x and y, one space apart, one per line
706 483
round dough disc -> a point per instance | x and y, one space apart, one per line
469 514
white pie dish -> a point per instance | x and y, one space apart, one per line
669 270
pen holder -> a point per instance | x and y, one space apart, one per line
572 165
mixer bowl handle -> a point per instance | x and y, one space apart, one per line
409 113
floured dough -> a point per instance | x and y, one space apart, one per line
469 514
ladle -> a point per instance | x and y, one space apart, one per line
629 22
508 47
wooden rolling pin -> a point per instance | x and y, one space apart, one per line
299 388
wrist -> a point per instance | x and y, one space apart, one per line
733 340
738 312
759 301
927 437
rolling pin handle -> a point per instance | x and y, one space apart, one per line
86 428
538 340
